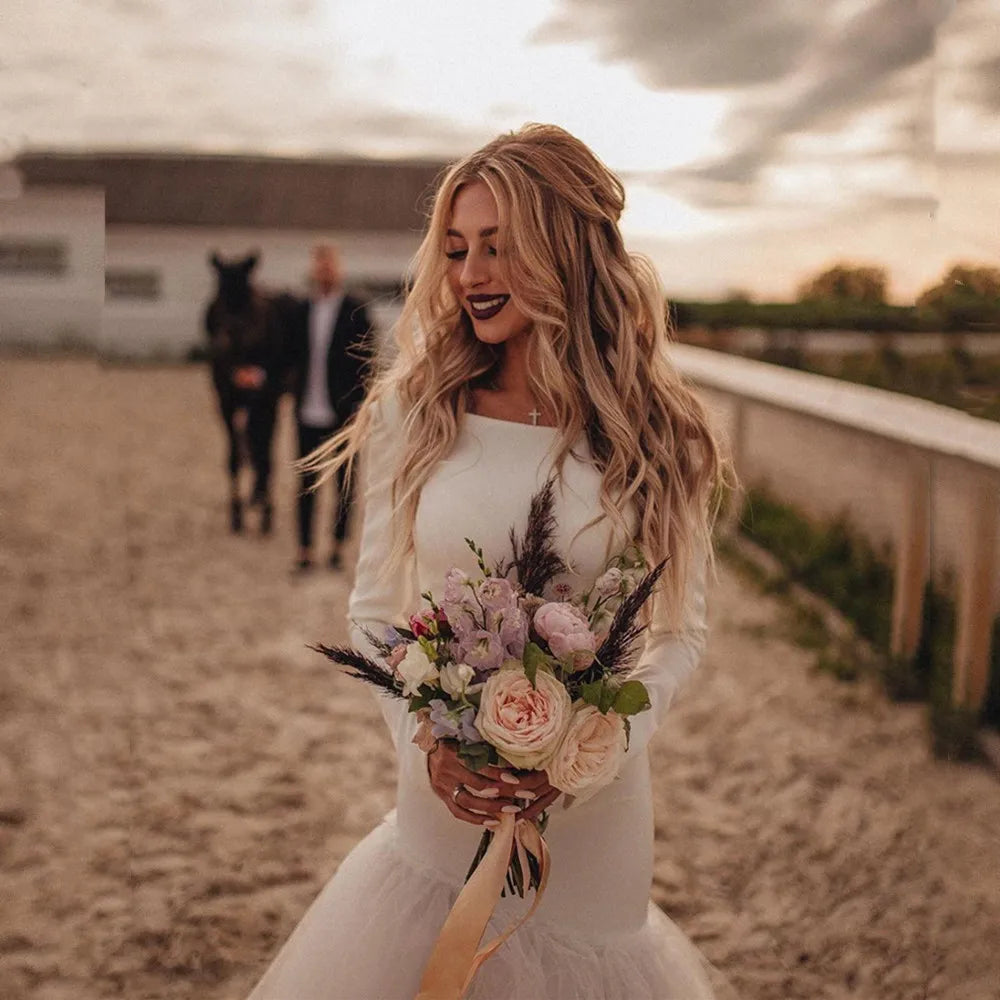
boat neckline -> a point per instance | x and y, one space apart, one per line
511 423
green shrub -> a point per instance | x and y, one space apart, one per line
831 560
835 562
991 707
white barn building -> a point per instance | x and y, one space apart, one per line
110 251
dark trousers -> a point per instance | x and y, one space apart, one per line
309 439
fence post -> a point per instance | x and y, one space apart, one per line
976 589
913 557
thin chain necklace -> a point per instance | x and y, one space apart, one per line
534 413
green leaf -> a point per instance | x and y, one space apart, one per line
631 698
421 700
475 756
535 657
607 698
591 693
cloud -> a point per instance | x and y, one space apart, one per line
683 45
816 70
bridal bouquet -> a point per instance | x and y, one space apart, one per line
518 670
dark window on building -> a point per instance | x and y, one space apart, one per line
33 257
123 283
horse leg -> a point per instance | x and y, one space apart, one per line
260 433
229 417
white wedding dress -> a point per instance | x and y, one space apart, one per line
596 935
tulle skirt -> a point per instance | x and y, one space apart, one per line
370 931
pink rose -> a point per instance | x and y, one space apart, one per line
590 754
419 626
524 723
567 631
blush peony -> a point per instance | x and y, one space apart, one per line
590 754
524 723
566 630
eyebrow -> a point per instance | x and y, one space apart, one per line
490 231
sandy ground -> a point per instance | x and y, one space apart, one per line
179 774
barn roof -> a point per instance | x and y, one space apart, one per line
181 189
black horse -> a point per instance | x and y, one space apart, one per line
246 349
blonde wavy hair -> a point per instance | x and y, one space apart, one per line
596 352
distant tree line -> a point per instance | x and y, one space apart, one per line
853 297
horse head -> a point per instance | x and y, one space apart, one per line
234 291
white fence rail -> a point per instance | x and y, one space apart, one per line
921 477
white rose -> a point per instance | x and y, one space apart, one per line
590 754
609 583
524 723
456 677
415 669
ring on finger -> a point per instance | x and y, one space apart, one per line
454 793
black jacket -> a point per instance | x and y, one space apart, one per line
351 349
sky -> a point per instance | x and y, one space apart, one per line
759 140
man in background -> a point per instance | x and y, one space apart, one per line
331 342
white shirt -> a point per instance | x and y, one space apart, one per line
316 408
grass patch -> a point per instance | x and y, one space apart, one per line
835 562
991 708
829 560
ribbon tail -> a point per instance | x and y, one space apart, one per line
454 961
447 974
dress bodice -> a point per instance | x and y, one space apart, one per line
480 491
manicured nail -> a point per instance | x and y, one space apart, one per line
509 778
523 793
510 809
483 793
491 823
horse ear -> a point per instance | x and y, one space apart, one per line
215 260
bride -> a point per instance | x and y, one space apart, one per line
531 343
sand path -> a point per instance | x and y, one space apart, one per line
179 775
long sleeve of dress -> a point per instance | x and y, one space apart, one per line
382 597
670 656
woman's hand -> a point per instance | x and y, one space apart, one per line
481 797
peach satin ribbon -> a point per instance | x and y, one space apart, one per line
455 961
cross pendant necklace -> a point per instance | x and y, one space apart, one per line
534 414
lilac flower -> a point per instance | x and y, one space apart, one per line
453 723
481 650
512 627
460 618
393 638
456 587
496 594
